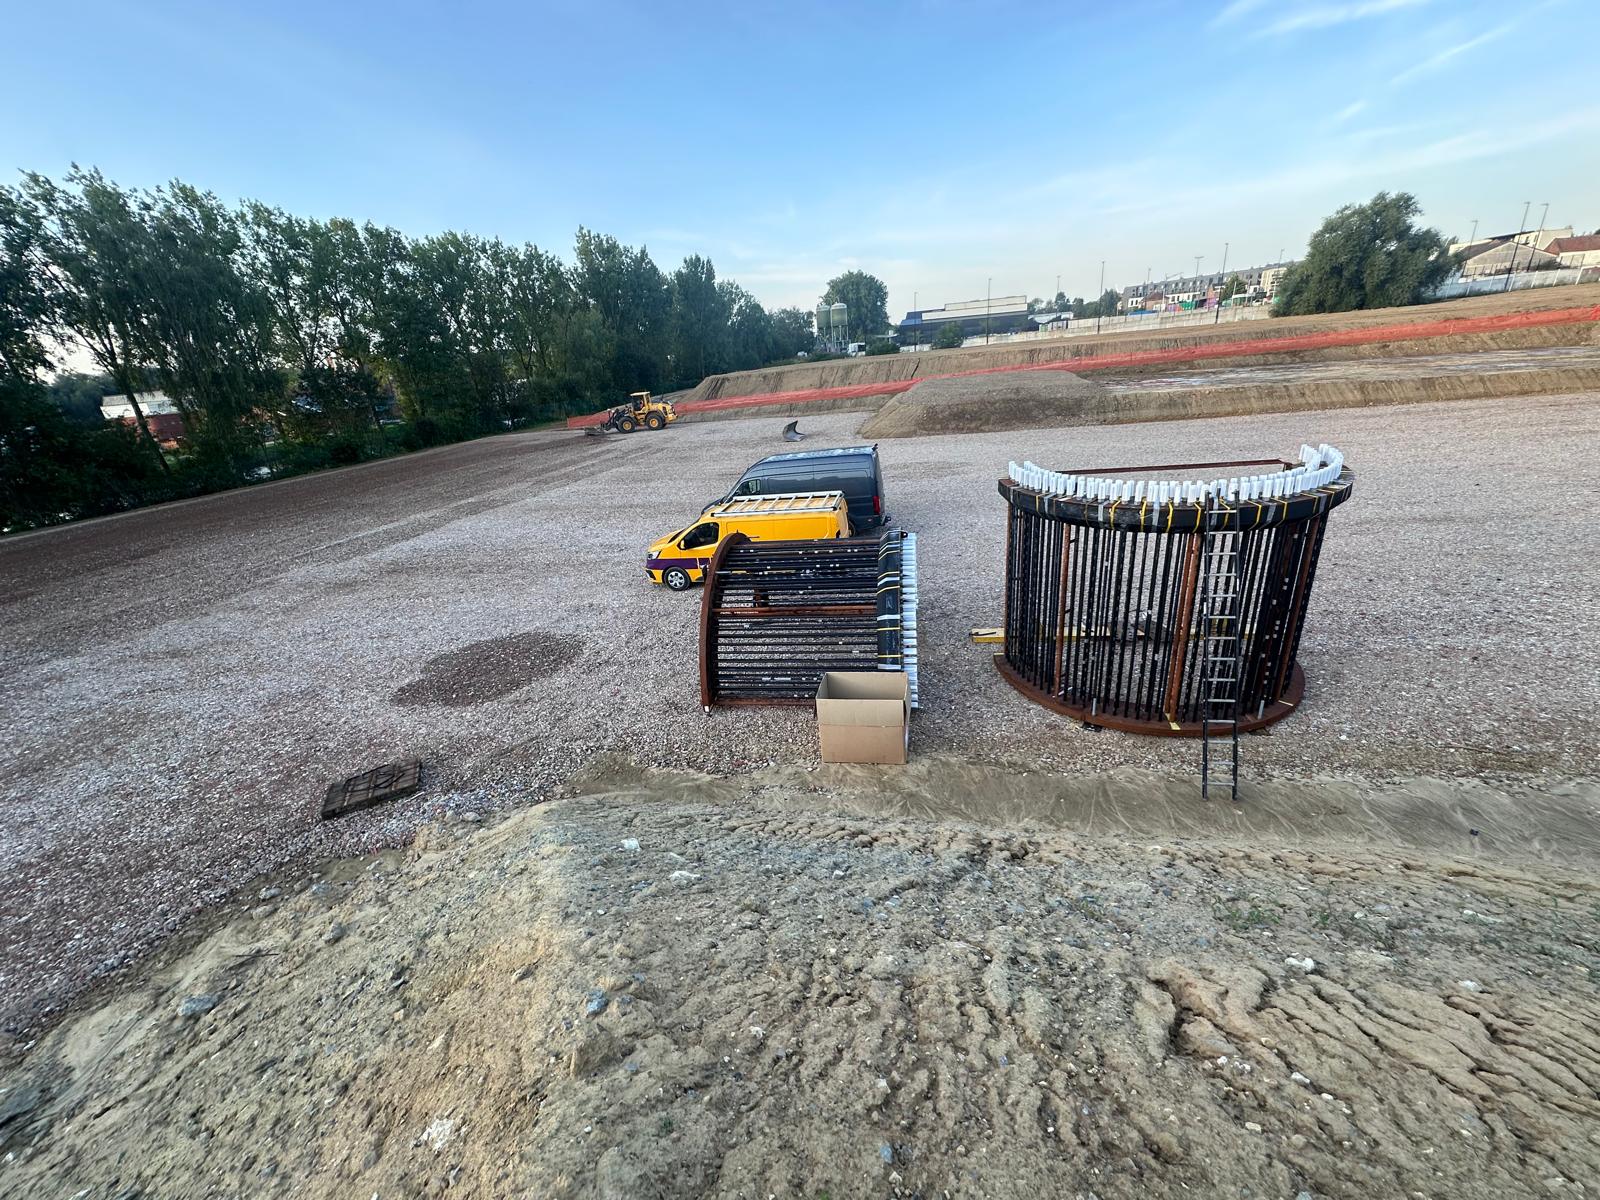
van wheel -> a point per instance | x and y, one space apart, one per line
655 420
676 578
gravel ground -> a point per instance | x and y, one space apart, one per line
185 681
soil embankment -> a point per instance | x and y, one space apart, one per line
883 369
986 403
851 983
1040 399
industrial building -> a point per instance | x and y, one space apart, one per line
1502 253
160 414
992 315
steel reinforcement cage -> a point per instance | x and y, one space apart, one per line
776 615
1103 577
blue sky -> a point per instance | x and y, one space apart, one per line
936 144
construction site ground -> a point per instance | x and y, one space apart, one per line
620 947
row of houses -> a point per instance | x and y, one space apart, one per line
1200 291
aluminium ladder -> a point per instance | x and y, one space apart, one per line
1220 610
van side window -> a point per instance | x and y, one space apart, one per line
700 535
749 487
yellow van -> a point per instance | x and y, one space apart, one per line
681 558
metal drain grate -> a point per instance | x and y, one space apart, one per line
388 782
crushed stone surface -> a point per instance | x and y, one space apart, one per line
183 682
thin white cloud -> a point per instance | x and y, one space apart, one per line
1348 111
1235 10
1324 16
1428 65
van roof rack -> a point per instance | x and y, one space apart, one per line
776 502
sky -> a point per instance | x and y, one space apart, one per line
939 145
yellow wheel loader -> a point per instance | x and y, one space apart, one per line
641 409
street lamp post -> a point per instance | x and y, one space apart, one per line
988 290
1197 259
1100 303
1221 286
1512 269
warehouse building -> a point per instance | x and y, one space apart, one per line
995 314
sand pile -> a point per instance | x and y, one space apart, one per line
987 403
791 984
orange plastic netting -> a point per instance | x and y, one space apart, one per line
1408 331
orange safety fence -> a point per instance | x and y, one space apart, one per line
1245 347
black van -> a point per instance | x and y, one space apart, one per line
853 470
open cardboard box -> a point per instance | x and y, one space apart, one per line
862 716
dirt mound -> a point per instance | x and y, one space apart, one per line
852 372
986 404
696 987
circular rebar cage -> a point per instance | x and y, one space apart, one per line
1141 603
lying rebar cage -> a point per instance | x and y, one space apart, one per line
776 615
1106 587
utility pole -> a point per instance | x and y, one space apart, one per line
1223 285
1523 224
1538 235
988 290
1197 259
1099 308
1474 236
917 332
1058 292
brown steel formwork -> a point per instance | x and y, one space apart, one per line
1102 602
776 615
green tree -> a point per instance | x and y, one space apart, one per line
792 333
700 313
949 336
1366 256
748 342
1232 288
51 468
866 297
633 300
96 243
78 396
208 328
540 303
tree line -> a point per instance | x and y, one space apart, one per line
287 343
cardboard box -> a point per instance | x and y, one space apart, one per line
862 716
